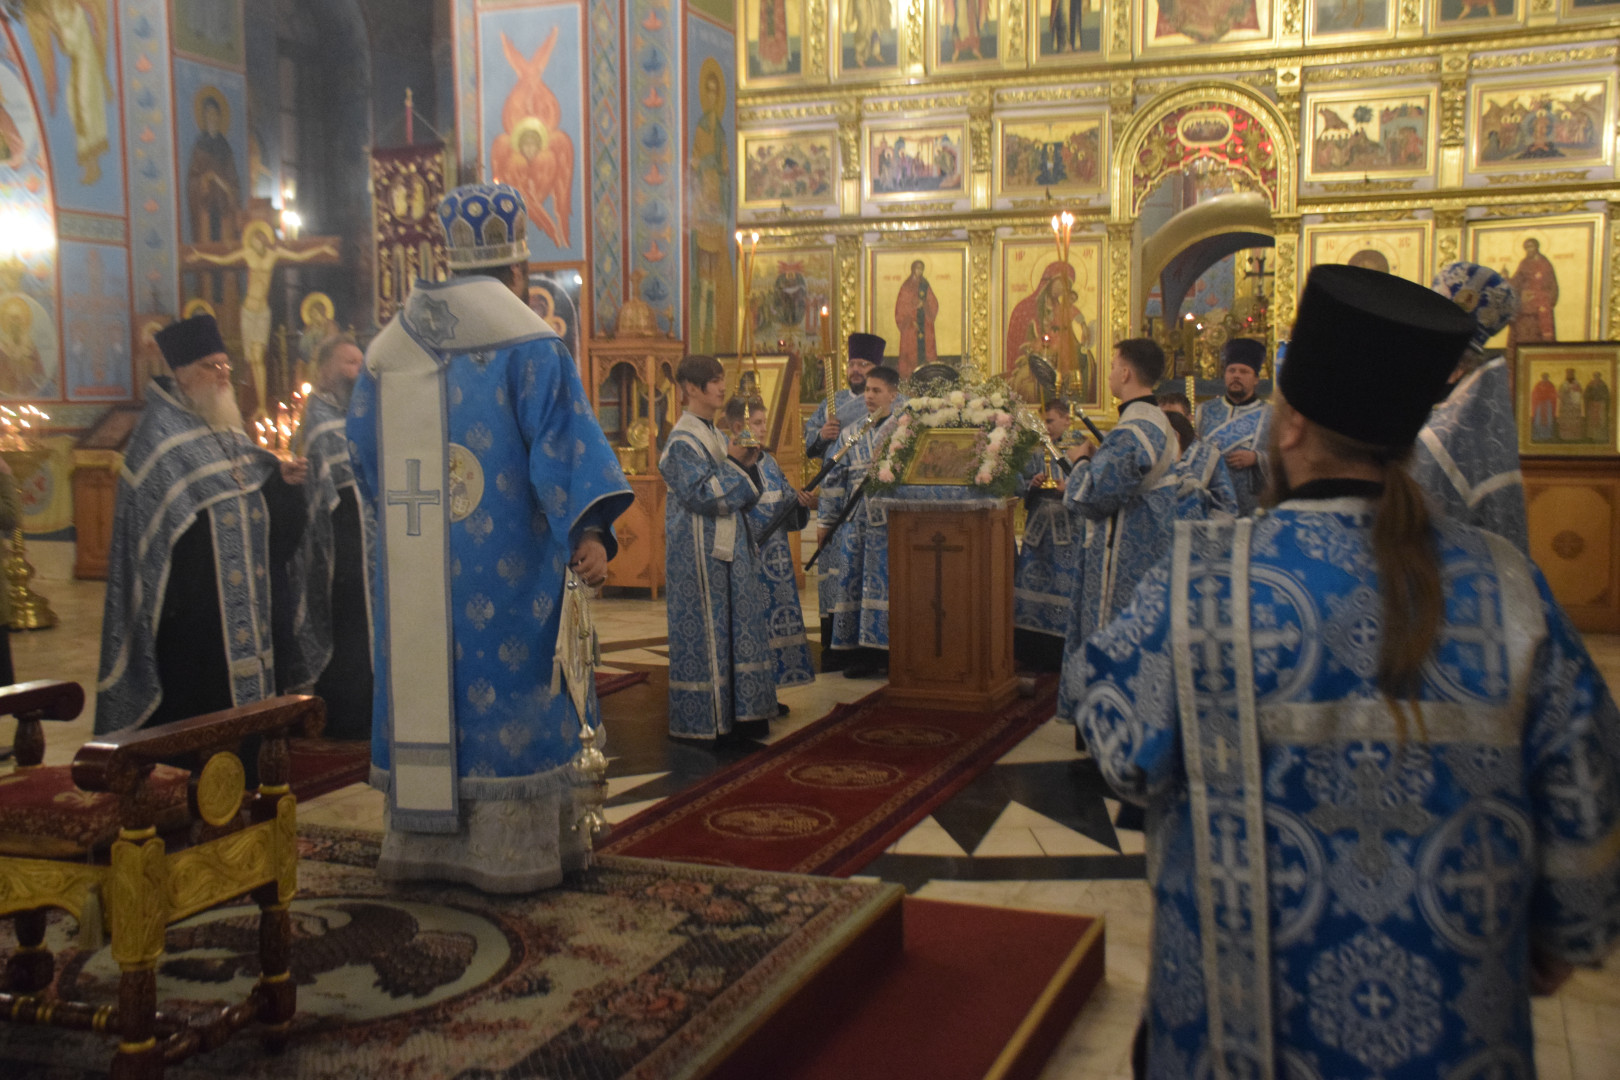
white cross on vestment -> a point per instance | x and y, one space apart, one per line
1487 634
1486 881
1583 788
1206 635
1228 872
413 498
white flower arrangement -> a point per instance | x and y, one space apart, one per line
1003 447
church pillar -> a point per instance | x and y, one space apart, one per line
1291 25
847 260
979 129
1614 273
1285 285
1453 115
1016 22
1287 80
1409 19
1121 313
606 156
815 57
849 154
981 243
913 42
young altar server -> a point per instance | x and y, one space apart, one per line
790 652
1047 574
720 680
860 596
1125 490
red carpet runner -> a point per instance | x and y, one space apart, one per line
320 766
828 799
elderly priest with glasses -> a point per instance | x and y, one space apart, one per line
203 528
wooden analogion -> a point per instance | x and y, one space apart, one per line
951 608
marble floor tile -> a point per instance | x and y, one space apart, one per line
927 837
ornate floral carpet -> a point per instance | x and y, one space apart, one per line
323 765
831 797
641 970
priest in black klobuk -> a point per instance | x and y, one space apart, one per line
204 521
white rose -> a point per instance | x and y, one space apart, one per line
958 398
998 436
998 400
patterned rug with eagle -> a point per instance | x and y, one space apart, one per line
638 968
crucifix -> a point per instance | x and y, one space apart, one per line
937 546
261 251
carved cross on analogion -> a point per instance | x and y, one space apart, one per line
938 547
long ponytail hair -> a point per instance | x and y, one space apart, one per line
1408 562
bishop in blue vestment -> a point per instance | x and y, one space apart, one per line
1368 822
1125 492
476 448
1467 456
1237 423
721 679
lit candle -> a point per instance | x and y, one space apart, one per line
826 331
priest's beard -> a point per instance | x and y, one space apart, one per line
217 406
342 389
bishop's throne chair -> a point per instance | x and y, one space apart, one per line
129 845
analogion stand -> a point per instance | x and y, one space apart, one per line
950 599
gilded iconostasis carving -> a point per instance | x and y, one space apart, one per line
1397 134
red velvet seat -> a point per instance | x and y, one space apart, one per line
45 815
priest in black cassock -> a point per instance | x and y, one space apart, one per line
204 523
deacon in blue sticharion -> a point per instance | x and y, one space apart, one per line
477 449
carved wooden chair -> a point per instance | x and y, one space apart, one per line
128 844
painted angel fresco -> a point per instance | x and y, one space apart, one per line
533 153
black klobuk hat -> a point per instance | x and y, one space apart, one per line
1369 353
189 340
868 347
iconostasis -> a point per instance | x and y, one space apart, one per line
902 162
